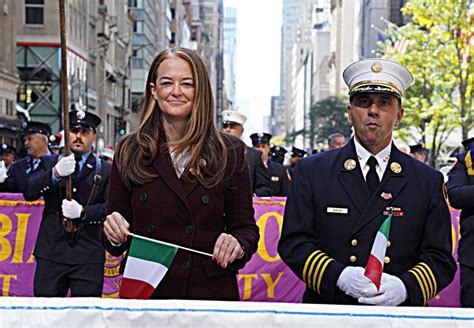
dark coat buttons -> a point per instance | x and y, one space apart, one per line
205 199
186 265
143 196
151 228
189 229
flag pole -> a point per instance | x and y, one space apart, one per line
169 244
69 225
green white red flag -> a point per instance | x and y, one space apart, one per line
147 263
374 267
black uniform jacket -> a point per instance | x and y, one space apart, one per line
280 178
261 182
461 196
53 242
17 175
331 221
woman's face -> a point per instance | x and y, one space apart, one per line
174 89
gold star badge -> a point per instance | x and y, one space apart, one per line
376 67
395 167
350 164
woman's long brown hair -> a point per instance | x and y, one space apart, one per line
202 140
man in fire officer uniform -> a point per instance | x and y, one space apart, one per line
460 188
339 199
278 173
233 123
35 140
71 260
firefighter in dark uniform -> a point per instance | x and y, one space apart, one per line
71 260
419 152
339 199
8 155
233 123
277 154
460 188
278 173
35 140
295 155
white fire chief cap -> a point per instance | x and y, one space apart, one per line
377 75
233 116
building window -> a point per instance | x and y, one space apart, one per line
34 12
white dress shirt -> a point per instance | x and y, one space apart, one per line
382 158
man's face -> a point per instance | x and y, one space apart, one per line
294 160
374 115
82 140
420 156
235 129
8 158
35 144
265 149
337 142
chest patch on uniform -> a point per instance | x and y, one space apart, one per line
337 210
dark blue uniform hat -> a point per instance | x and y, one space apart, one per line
297 152
277 151
418 148
7 149
468 143
55 141
35 127
79 119
260 138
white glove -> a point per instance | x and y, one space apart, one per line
353 282
71 209
3 172
66 165
392 292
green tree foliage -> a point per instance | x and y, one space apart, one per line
438 56
328 116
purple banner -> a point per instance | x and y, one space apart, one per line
264 279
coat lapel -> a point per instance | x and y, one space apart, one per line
87 168
351 178
387 192
165 169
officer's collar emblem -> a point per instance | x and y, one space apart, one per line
396 168
350 164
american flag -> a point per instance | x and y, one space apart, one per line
401 45
466 54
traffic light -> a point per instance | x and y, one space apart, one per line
120 127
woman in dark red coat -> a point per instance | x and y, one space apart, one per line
179 180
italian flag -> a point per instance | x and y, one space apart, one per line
147 263
374 267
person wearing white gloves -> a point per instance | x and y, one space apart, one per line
35 140
71 261
339 199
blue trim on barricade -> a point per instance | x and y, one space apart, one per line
365 315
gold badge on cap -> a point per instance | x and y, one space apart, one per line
350 164
80 114
376 67
395 167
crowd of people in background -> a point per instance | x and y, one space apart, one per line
205 176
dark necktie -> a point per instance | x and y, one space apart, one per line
372 178
78 158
